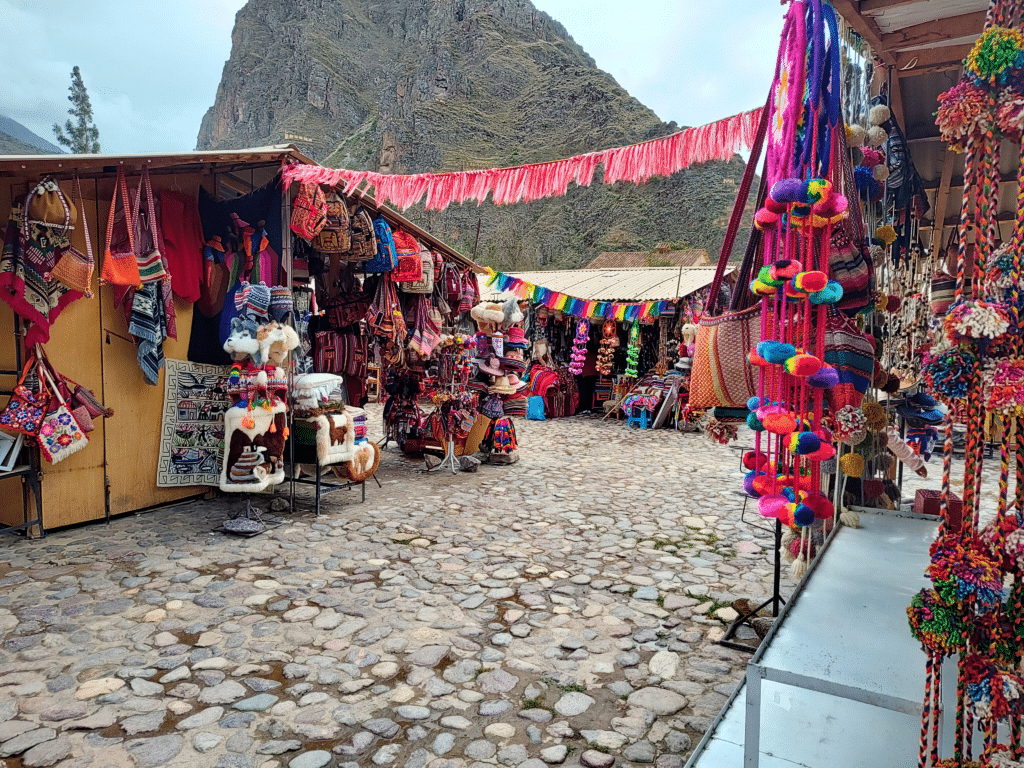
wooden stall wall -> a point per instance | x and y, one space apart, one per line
90 344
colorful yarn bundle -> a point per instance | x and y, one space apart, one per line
1002 383
633 351
579 347
976 321
937 625
963 570
948 373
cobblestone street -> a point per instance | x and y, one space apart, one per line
563 610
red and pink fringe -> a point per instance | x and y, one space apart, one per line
636 163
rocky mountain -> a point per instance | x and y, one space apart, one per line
16 139
411 86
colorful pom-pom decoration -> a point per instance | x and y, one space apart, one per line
802 365
874 415
765 219
803 515
817 190
748 483
784 269
821 505
973 321
825 453
996 55
765 276
825 377
788 191
770 506
810 282
877 136
948 373
775 351
779 423
852 464
856 134
830 294
761 289
880 172
850 425
803 443
754 422
886 234
962 569
754 460
755 359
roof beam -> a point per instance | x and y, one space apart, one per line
864 27
937 59
957 182
869 7
942 196
934 31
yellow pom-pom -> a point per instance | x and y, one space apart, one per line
852 465
886 234
875 415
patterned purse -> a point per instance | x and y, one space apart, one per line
25 411
120 268
60 434
151 263
75 268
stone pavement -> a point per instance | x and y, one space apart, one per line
563 610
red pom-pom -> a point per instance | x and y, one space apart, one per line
765 219
754 460
784 269
811 281
755 359
779 423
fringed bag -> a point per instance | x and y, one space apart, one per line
60 434
721 374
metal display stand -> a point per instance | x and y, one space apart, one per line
449 458
30 470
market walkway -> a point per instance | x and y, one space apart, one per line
561 610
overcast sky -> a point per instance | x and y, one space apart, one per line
152 68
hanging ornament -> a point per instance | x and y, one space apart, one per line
579 347
633 352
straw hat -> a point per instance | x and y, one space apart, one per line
493 367
502 386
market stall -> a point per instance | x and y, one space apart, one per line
614 341
123 277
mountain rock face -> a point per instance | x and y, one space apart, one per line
412 86
16 139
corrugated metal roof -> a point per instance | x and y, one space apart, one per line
910 14
691 257
650 284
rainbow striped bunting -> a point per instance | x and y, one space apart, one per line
623 311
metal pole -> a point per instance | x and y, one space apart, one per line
752 718
477 240
777 583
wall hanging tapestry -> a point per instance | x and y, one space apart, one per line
192 435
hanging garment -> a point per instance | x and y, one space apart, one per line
182 243
36 299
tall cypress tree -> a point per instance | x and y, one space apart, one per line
79 135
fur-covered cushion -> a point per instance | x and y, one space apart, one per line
254 449
335 439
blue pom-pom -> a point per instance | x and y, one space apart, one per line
863 177
748 484
830 294
789 494
775 351
754 423
803 515
753 403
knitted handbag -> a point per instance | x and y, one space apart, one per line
721 374
25 411
121 268
852 354
74 268
60 434
151 263
409 266
386 258
309 211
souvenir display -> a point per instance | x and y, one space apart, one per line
973 608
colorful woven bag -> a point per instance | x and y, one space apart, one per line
151 263
120 268
852 354
721 374
75 268
25 411
409 263
309 211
